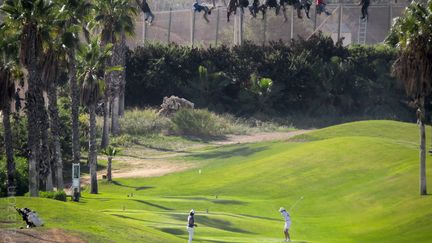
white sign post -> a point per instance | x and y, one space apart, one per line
75 181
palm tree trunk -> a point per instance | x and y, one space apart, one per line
106 111
55 134
93 150
109 169
421 122
119 58
74 107
122 99
33 137
115 115
45 162
9 149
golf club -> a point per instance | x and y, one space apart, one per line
298 200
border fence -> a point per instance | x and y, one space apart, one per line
185 27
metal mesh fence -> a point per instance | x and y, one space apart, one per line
188 28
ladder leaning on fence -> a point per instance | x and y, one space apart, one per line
362 31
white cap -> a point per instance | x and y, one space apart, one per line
192 211
281 209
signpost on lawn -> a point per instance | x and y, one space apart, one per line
75 182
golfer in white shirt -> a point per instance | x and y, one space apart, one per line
287 226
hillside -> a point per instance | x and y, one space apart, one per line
359 182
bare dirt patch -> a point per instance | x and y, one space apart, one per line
159 164
38 236
259 137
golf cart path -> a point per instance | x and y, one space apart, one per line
159 165
38 236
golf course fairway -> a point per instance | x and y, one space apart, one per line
359 182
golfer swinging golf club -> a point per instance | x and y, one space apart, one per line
287 226
191 225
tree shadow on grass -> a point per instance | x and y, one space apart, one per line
217 201
173 231
137 188
259 217
224 154
212 222
153 205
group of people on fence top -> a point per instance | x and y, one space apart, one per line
257 7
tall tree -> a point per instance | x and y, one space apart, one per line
8 51
91 60
7 89
412 34
32 18
50 74
115 18
73 16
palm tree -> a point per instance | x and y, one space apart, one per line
8 53
91 60
51 70
411 34
73 16
32 18
115 19
7 89
110 152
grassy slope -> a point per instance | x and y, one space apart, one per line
359 182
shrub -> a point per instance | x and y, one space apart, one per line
123 140
199 122
21 176
58 195
143 122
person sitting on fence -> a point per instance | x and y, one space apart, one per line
283 4
148 15
232 8
321 7
269 4
306 4
254 8
364 9
198 7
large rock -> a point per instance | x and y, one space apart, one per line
171 105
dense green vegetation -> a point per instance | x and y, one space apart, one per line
359 182
314 78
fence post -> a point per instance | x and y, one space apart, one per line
144 30
235 30
292 23
340 20
240 37
192 28
315 19
217 27
169 25
390 14
264 29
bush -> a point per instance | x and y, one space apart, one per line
143 122
123 140
57 195
21 177
313 78
199 123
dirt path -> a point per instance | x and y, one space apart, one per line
37 236
259 137
159 165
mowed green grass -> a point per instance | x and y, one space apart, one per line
359 182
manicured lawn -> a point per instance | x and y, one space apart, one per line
359 182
